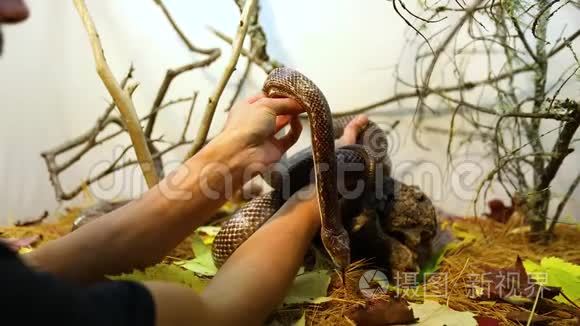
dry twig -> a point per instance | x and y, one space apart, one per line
512 123
267 66
247 13
212 56
563 202
92 138
121 97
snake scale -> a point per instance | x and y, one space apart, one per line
370 152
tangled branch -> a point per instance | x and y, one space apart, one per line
511 123
212 55
98 135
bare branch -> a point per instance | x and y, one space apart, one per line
566 43
213 55
180 33
248 12
522 37
437 53
561 149
563 202
188 118
258 41
394 2
121 97
241 83
90 140
437 90
538 19
516 136
267 66
168 79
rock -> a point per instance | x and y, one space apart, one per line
412 221
397 233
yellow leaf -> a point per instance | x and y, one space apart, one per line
207 233
553 271
164 272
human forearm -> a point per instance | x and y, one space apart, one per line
255 279
144 231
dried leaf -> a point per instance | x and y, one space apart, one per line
488 303
519 300
25 250
513 285
381 312
523 316
563 314
431 313
34 221
499 212
486 321
466 237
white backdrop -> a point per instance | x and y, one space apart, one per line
50 92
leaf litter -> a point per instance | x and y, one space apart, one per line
469 246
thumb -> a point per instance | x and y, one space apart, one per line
352 130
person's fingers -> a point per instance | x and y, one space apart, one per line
352 130
280 106
282 121
252 99
292 136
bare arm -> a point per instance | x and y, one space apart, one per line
142 232
255 278
145 230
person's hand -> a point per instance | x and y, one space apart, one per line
351 131
253 123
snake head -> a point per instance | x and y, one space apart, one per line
337 246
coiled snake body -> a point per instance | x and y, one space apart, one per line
370 152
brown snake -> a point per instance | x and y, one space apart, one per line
371 149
